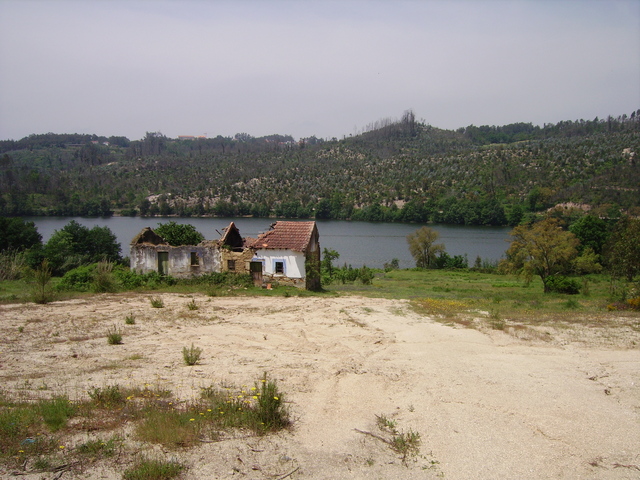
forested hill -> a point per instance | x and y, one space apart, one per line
401 170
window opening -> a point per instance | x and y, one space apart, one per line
231 265
279 268
195 261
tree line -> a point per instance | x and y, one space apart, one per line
396 170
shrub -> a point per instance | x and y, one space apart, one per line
191 355
560 284
78 279
130 320
366 275
128 279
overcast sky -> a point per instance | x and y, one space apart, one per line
324 68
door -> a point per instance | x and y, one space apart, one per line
256 273
163 263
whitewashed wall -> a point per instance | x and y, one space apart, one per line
293 262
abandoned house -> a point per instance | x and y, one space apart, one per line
288 254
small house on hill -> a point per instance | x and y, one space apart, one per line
288 253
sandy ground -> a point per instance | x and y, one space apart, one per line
488 405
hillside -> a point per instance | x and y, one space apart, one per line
396 170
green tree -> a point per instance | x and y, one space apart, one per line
179 234
74 245
328 256
16 234
592 232
423 247
622 252
543 249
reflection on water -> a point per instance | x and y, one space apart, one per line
358 243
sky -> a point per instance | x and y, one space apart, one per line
311 67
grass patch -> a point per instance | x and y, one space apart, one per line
192 305
42 433
56 411
153 469
114 336
156 302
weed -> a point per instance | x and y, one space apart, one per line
384 423
170 427
192 305
270 413
56 411
114 336
153 469
157 302
42 464
103 279
571 304
107 397
130 320
20 329
100 448
262 408
191 355
406 444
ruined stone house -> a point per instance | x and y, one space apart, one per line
288 254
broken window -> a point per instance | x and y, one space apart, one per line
231 265
195 261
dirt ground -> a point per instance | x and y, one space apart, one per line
564 404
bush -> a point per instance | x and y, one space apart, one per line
78 279
560 284
191 355
127 278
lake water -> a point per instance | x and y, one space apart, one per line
358 243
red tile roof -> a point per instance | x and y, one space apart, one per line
294 236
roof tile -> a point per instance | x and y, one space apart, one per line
294 236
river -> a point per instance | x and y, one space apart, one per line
358 243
